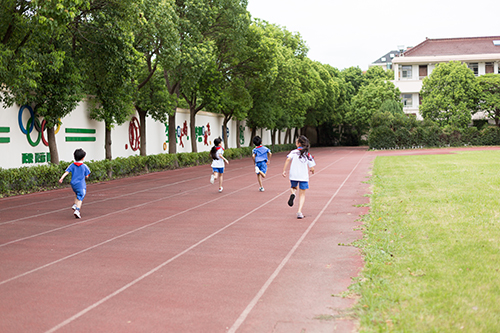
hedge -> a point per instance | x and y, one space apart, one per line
45 177
390 131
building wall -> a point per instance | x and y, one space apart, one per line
413 85
79 131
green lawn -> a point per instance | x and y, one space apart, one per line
431 245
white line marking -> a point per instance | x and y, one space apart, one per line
266 285
125 287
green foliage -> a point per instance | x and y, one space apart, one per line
45 177
489 102
450 95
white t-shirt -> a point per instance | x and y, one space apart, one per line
219 163
299 167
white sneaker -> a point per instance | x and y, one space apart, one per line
212 178
220 189
261 189
77 214
73 207
257 170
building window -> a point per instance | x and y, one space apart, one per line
406 72
474 66
407 100
422 71
489 68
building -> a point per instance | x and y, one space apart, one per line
481 54
385 61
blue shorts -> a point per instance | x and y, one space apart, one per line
302 185
219 170
80 193
262 165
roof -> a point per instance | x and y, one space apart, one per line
455 46
387 57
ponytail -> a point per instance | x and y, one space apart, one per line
213 151
304 143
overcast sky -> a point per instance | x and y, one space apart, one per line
358 32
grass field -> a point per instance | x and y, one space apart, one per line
431 245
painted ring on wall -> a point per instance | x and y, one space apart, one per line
164 146
28 136
20 119
134 134
45 142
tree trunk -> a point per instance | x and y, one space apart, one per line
192 126
238 133
142 130
288 136
273 138
107 141
54 154
224 132
172 135
254 132
279 137
296 134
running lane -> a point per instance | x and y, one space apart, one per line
165 252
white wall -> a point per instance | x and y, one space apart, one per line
18 152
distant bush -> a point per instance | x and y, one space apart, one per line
399 131
45 177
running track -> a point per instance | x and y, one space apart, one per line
165 252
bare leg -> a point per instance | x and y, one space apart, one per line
220 180
302 199
259 179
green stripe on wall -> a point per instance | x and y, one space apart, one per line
4 140
78 138
80 130
4 129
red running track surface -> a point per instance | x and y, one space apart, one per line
165 252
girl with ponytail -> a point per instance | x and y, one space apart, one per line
301 163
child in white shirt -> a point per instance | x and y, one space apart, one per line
301 163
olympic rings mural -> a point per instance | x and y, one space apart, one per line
33 123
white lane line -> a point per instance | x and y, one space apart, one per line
107 199
111 213
132 283
273 276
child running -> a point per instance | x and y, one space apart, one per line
262 157
79 172
302 163
218 162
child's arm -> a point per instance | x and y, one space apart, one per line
227 162
62 177
286 166
269 154
253 157
312 170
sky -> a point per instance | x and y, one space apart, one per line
358 32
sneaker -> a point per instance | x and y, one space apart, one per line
77 214
257 170
212 178
261 189
300 215
73 207
220 189
290 201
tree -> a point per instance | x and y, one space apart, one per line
489 101
109 59
157 40
392 106
450 95
37 58
368 101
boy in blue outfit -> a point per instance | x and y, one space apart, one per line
261 156
79 172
